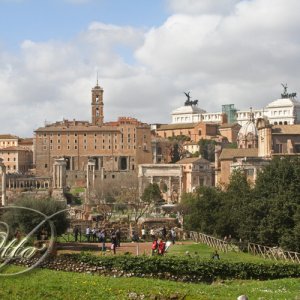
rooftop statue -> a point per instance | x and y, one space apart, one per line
188 101
285 94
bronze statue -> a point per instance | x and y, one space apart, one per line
285 94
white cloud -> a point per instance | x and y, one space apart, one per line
196 7
237 54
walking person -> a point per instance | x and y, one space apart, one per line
152 235
161 247
143 233
76 233
102 239
173 235
154 246
118 236
113 242
164 232
88 233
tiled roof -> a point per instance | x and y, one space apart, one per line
227 125
8 136
190 160
231 153
286 129
176 126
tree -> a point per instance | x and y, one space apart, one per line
105 196
207 149
152 193
25 220
130 195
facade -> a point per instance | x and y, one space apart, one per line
248 136
161 150
230 131
196 173
272 140
8 140
16 159
283 111
229 159
115 146
191 147
16 153
174 179
195 131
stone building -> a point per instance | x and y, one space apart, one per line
248 136
272 140
115 146
16 153
195 131
282 111
175 179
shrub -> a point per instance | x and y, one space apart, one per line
189 269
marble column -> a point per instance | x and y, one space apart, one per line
59 178
3 174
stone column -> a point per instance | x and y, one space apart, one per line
59 179
90 178
170 190
3 173
180 189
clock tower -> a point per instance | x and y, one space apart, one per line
97 105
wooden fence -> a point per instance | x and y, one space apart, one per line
275 253
213 242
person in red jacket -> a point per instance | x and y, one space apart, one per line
161 247
154 246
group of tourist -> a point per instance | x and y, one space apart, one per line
163 233
100 236
158 247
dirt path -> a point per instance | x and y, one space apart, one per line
133 248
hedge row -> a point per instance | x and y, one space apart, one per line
188 269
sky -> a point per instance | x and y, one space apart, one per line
146 53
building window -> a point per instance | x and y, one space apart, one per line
58 141
45 147
51 147
84 134
250 172
58 147
297 148
68 147
278 148
75 147
46 166
75 134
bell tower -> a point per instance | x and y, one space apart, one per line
97 105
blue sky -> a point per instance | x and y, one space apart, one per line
42 20
147 53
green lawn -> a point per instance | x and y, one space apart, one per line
204 251
47 284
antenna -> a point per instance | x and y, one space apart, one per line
97 79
